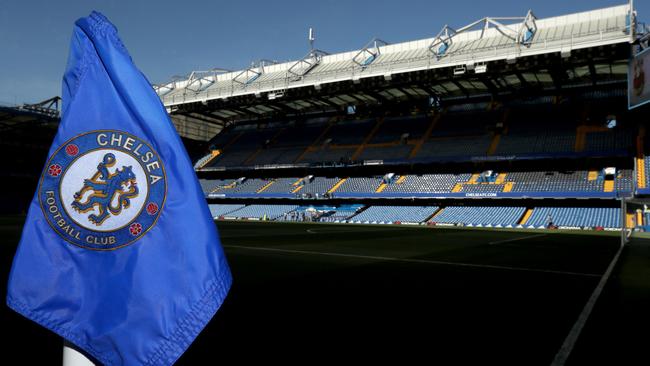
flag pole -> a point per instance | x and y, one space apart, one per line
72 357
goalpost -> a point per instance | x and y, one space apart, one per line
638 208
569 342
626 232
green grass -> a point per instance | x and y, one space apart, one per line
313 292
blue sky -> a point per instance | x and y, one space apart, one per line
174 37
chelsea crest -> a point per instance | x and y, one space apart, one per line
103 189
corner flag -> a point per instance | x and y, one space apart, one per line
119 254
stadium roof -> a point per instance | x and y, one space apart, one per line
27 115
489 58
472 47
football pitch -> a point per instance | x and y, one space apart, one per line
321 292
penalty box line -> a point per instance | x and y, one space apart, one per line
564 352
411 260
516 239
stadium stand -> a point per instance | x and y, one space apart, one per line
241 142
328 154
201 162
261 212
624 181
356 184
466 120
393 214
277 156
314 130
482 188
575 217
320 213
250 185
397 128
282 185
399 151
211 185
479 216
476 216
522 183
429 183
460 133
286 147
539 130
349 132
340 214
646 165
446 147
554 181
610 141
319 185
223 210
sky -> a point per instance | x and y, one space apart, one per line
174 37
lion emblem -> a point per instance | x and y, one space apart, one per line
110 192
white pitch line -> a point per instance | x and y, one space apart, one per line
516 239
330 231
411 260
313 231
570 341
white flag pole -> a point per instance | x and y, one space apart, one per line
72 357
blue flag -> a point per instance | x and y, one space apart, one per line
119 254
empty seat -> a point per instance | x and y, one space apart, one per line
391 214
480 215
